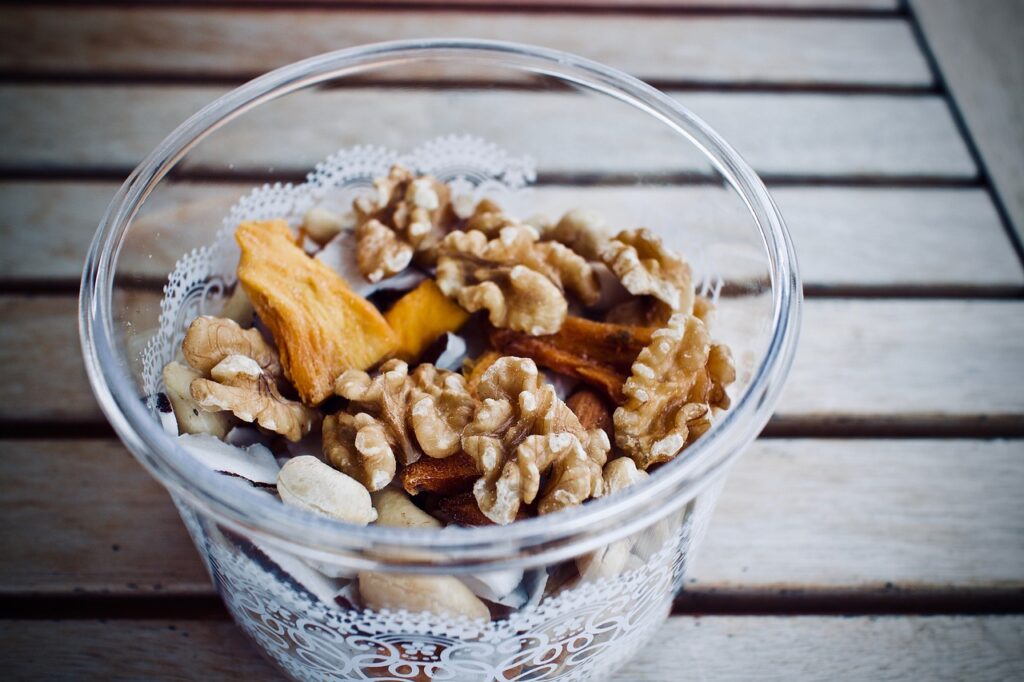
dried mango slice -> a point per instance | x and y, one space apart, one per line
421 316
321 326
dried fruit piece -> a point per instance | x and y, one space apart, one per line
190 415
307 483
645 266
590 408
446 476
321 327
421 316
462 509
520 431
518 280
240 386
594 352
669 393
211 339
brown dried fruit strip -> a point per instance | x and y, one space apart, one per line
590 408
594 352
462 509
446 476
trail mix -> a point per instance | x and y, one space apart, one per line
413 364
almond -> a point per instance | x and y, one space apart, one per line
590 408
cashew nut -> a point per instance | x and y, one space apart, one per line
309 484
191 417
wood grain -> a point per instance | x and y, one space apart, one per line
832 517
241 43
76 128
868 516
85 517
977 48
885 362
846 238
720 648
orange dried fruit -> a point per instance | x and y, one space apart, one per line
421 316
320 325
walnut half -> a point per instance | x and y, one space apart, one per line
676 382
517 279
645 266
240 386
521 431
408 216
395 416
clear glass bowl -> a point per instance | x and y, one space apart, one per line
583 588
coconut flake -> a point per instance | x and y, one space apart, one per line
254 463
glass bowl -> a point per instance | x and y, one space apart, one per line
571 595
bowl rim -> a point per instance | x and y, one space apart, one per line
525 543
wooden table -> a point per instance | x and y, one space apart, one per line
876 530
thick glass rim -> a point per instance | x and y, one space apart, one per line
530 542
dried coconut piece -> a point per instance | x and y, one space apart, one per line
667 397
239 385
645 266
321 327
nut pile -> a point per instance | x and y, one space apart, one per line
499 369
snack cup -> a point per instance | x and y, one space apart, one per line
565 596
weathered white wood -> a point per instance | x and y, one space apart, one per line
978 48
69 127
986 649
982 649
883 361
236 42
827 516
83 516
859 237
838 515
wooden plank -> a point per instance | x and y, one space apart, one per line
862 518
109 528
852 649
848 136
624 6
241 43
685 648
946 362
977 48
868 516
846 238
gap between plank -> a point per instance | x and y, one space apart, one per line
781 603
179 79
694 9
